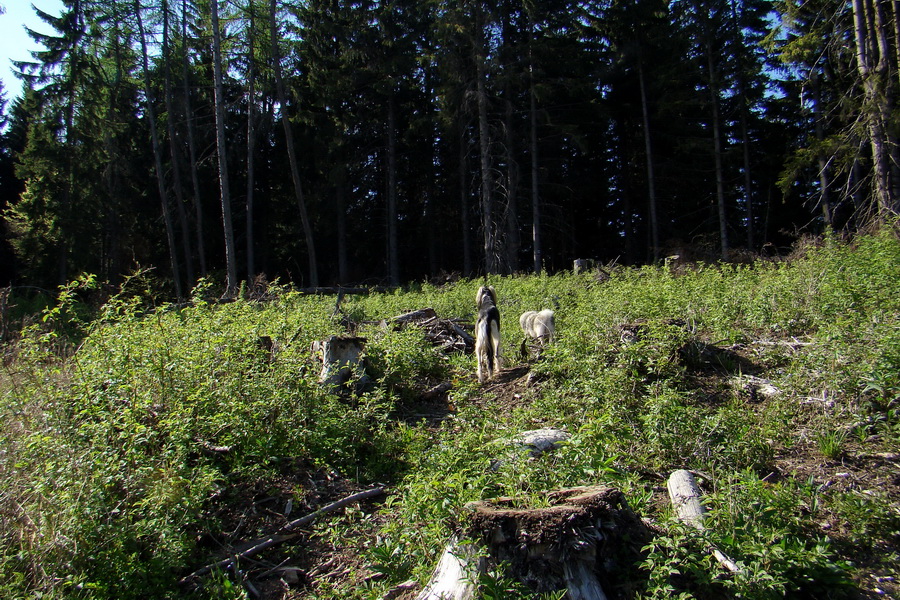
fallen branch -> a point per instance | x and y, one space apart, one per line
282 534
685 496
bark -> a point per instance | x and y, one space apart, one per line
462 174
511 214
157 154
824 183
292 154
648 148
745 136
871 60
487 184
717 151
341 202
192 147
224 189
186 248
251 141
535 192
393 258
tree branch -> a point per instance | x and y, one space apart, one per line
282 535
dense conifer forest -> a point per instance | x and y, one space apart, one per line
387 141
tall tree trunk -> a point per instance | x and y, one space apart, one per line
533 135
341 207
289 142
487 184
511 212
157 153
717 151
648 148
251 140
393 259
463 178
745 136
173 150
824 183
871 55
511 216
224 190
192 147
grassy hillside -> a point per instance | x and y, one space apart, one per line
143 442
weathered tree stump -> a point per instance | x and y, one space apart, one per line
342 361
582 537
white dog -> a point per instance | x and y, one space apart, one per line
487 333
538 326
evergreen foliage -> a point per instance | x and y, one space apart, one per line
403 139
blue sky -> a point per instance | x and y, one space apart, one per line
14 41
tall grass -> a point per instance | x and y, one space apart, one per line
107 477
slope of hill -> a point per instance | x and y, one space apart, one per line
150 441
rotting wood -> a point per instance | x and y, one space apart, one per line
685 496
282 535
423 314
446 334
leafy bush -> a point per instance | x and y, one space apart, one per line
122 429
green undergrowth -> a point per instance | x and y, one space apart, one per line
123 430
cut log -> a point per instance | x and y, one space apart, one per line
416 316
685 496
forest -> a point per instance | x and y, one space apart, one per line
387 141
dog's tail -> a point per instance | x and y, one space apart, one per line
488 333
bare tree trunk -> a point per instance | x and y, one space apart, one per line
535 192
511 217
341 201
292 154
393 259
462 173
192 150
173 150
487 184
511 213
251 139
225 192
648 148
157 153
717 151
824 183
871 60
745 137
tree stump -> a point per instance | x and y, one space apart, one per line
342 361
578 539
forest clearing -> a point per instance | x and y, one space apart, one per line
141 442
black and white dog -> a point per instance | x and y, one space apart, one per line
487 333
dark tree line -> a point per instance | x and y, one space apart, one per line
384 141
